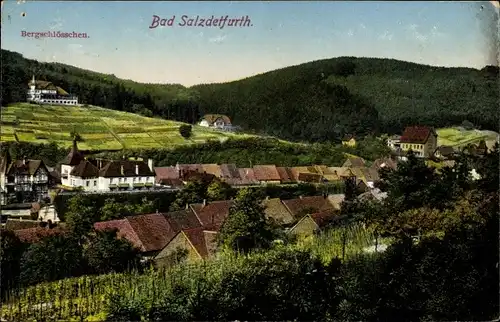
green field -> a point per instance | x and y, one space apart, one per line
454 136
100 129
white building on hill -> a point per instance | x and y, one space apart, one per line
47 93
106 175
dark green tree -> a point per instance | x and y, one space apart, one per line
246 227
53 258
106 253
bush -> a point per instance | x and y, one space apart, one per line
185 131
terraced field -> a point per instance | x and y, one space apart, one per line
456 136
100 128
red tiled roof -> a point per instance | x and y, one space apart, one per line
36 234
266 173
182 219
416 134
315 203
324 217
166 173
213 213
202 240
286 174
124 228
153 230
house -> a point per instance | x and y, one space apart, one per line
43 92
22 181
217 121
299 207
197 243
105 175
267 174
444 152
384 163
212 214
328 173
276 210
343 173
286 175
422 140
312 223
17 210
394 142
168 176
354 162
349 140
373 195
150 233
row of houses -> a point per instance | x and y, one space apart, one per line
353 168
193 230
27 180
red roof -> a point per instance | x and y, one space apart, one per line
322 218
286 174
313 203
213 213
416 134
166 173
36 234
124 228
152 232
266 173
203 241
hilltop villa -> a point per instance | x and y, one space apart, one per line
216 121
422 140
44 92
105 175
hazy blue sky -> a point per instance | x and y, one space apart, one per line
283 34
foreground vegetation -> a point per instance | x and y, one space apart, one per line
357 95
97 128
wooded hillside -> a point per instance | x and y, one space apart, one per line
316 101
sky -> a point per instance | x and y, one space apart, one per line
121 42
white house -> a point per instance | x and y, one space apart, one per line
393 142
106 175
47 93
217 121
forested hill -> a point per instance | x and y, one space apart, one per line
317 98
316 101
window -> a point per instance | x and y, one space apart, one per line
95 183
87 183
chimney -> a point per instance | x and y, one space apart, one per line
150 164
267 197
180 173
187 206
157 211
204 202
300 197
24 160
121 170
137 169
99 163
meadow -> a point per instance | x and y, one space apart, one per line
88 297
456 136
99 128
